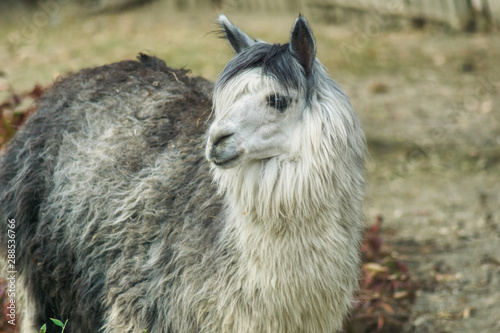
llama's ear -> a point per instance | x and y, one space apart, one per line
302 44
237 38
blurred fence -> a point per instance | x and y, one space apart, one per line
458 14
493 7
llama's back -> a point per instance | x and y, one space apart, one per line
100 183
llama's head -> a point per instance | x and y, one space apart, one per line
284 134
260 97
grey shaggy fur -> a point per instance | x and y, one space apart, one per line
112 195
120 226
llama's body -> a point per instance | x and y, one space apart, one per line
120 226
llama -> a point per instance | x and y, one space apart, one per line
131 213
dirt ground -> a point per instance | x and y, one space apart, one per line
429 101
434 132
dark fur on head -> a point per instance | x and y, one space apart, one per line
290 64
275 60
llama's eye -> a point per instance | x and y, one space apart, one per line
278 102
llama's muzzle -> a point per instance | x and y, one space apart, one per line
222 150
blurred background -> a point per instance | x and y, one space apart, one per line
423 75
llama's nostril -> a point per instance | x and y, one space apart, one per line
221 139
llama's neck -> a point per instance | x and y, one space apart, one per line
279 196
297 256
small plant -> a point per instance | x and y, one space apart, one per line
59 323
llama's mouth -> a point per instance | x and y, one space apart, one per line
227 163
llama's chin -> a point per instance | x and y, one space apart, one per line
227 163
